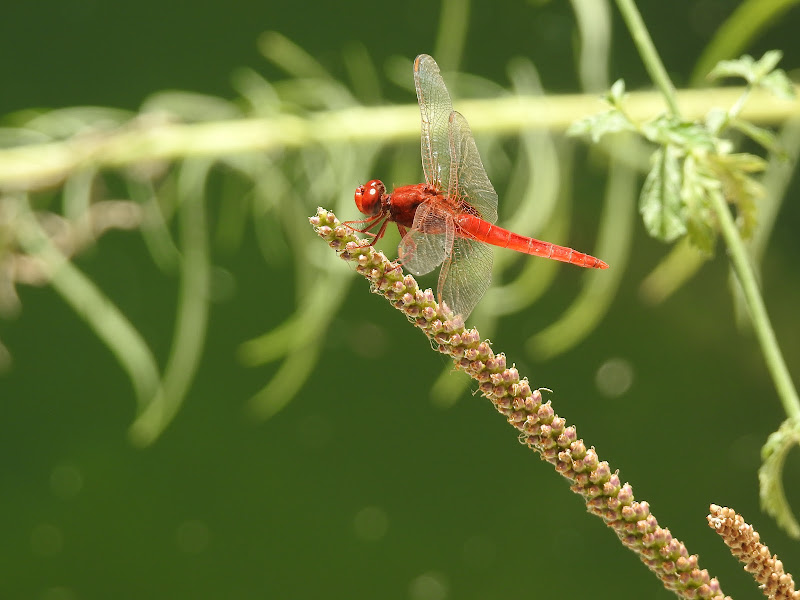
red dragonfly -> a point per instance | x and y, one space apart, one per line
448 220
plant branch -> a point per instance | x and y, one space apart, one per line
758 312
738 254
647 51
701 224
147 139
535 421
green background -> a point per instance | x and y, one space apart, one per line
361 487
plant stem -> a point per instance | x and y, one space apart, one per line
647 51
758 312
32 166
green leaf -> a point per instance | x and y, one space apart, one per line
778 84
747 214
716 120
741 161
739 187
665 130
660 201
609 121
701 235
767 63
763 137
616 94
657 129
740 67
760 72
697 186
771 492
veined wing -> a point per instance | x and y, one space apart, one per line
465 275
435 107
466 263
468 179
429 241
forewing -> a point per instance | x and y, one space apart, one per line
429 241
468 179
466 275
435 107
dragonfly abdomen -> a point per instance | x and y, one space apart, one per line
497 236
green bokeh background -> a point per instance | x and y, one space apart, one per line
223 506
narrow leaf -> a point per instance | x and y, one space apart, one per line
747 213
665 130
767 63
740 189
610 121
741 161
778 84
616 94
716 120
757 72
771 492
696 188
740 67
763 137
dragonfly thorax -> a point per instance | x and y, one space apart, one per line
369 197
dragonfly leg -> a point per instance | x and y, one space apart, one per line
380 233
364 226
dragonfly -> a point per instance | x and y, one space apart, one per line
449 219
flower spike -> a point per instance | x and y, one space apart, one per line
745 544
537 424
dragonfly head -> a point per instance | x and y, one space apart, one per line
368 197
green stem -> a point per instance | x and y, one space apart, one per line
452 34
758 312
647 51
33 166
736 109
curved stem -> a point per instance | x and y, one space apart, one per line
85 298
192 311
758 312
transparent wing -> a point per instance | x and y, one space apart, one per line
435 107
466 275
468 179
429 241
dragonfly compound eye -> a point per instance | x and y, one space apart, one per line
368 197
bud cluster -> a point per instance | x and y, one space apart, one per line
745 544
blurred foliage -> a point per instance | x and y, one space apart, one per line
287 144
271 182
